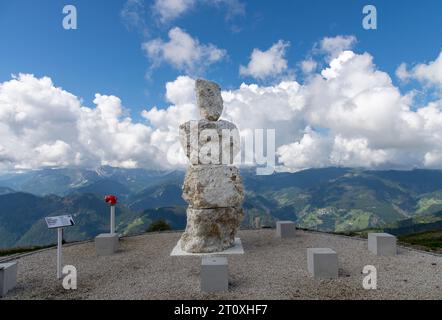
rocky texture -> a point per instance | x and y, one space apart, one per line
211 230
200 145
213 187
209 100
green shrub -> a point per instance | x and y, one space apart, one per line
428 239
159 225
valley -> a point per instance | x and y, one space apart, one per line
330 199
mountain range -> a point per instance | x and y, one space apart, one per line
328 199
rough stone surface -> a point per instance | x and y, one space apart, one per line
208 99
211 230
211 186
213 189
200 149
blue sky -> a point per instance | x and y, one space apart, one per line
105 56
336 93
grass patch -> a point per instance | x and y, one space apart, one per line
428 239
347 233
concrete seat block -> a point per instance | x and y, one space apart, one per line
107 244
8 277
214 274
285 229
322 262
382 244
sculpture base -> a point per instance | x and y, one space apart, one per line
236 249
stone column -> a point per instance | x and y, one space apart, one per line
213 186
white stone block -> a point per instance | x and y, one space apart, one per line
382 244
214 274
285 229
107 244
322 262
8 277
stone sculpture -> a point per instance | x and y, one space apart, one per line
213 185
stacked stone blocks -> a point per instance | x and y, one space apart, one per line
213 186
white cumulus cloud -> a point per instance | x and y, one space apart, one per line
350 113
333 46
308 66
429 74
168 10
182 52
269 63
364 119
42 125
312 150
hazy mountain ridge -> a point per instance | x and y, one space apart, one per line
330 199
64 181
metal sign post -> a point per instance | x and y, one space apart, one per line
112 220
59 223
59 252
112 200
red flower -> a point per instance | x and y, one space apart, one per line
112 200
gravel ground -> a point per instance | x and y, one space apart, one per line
271 268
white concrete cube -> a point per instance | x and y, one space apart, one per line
106 244
8 277
382 244
214 274
322 262
285 229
